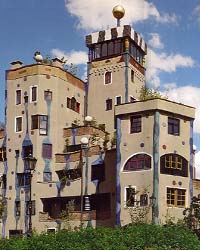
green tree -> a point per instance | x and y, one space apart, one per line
148 94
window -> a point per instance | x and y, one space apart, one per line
176 197
108 77
138 162
174 164
132 76
17 208
30 205
33 94
143 200
18 97
40 122
130 199
118 100
109 104
18 124
2 154
73 104
47 151
136 124
98 172
104 49
23 179
110 48
47 176
173 126
48 95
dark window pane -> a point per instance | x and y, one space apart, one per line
110 48
34 94
136 124
18 124
18 97
47 151
108 76
109 104
138 162
104 49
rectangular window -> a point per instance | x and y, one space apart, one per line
132 76
43 124
118 100
173 161
48 95
136 124
18 97
108 77
33 94
68 103
30 206
176 197
143 200
130 199
109 104
34 122
18 124
2 154
173 126
23 179
17 208
47 151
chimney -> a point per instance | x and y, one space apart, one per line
57 62
16 64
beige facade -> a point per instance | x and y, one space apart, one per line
169 168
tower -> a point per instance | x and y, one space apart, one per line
116 70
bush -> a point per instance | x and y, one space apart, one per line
140 237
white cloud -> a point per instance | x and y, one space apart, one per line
162 62
155 41
196 10
74 57
95 14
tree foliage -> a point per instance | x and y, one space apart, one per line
140 237
192 216
148 94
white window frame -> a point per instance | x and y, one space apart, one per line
16 97
105 78
31 87
116 99
16 124
125 191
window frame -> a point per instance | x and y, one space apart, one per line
109 106
16 119
47 150
109 79
138 124
173 129
176 197
116 102
16 97
48 95
125 196
36 124
31 94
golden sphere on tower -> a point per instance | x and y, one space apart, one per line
118 11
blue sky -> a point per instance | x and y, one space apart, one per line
58 27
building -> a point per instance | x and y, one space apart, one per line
96 178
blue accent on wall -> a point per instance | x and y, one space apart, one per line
156 134
67 157
191 159
74 133
126 59
99 161
17 188
47 176
118 186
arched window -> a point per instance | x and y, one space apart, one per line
138 162
174 164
